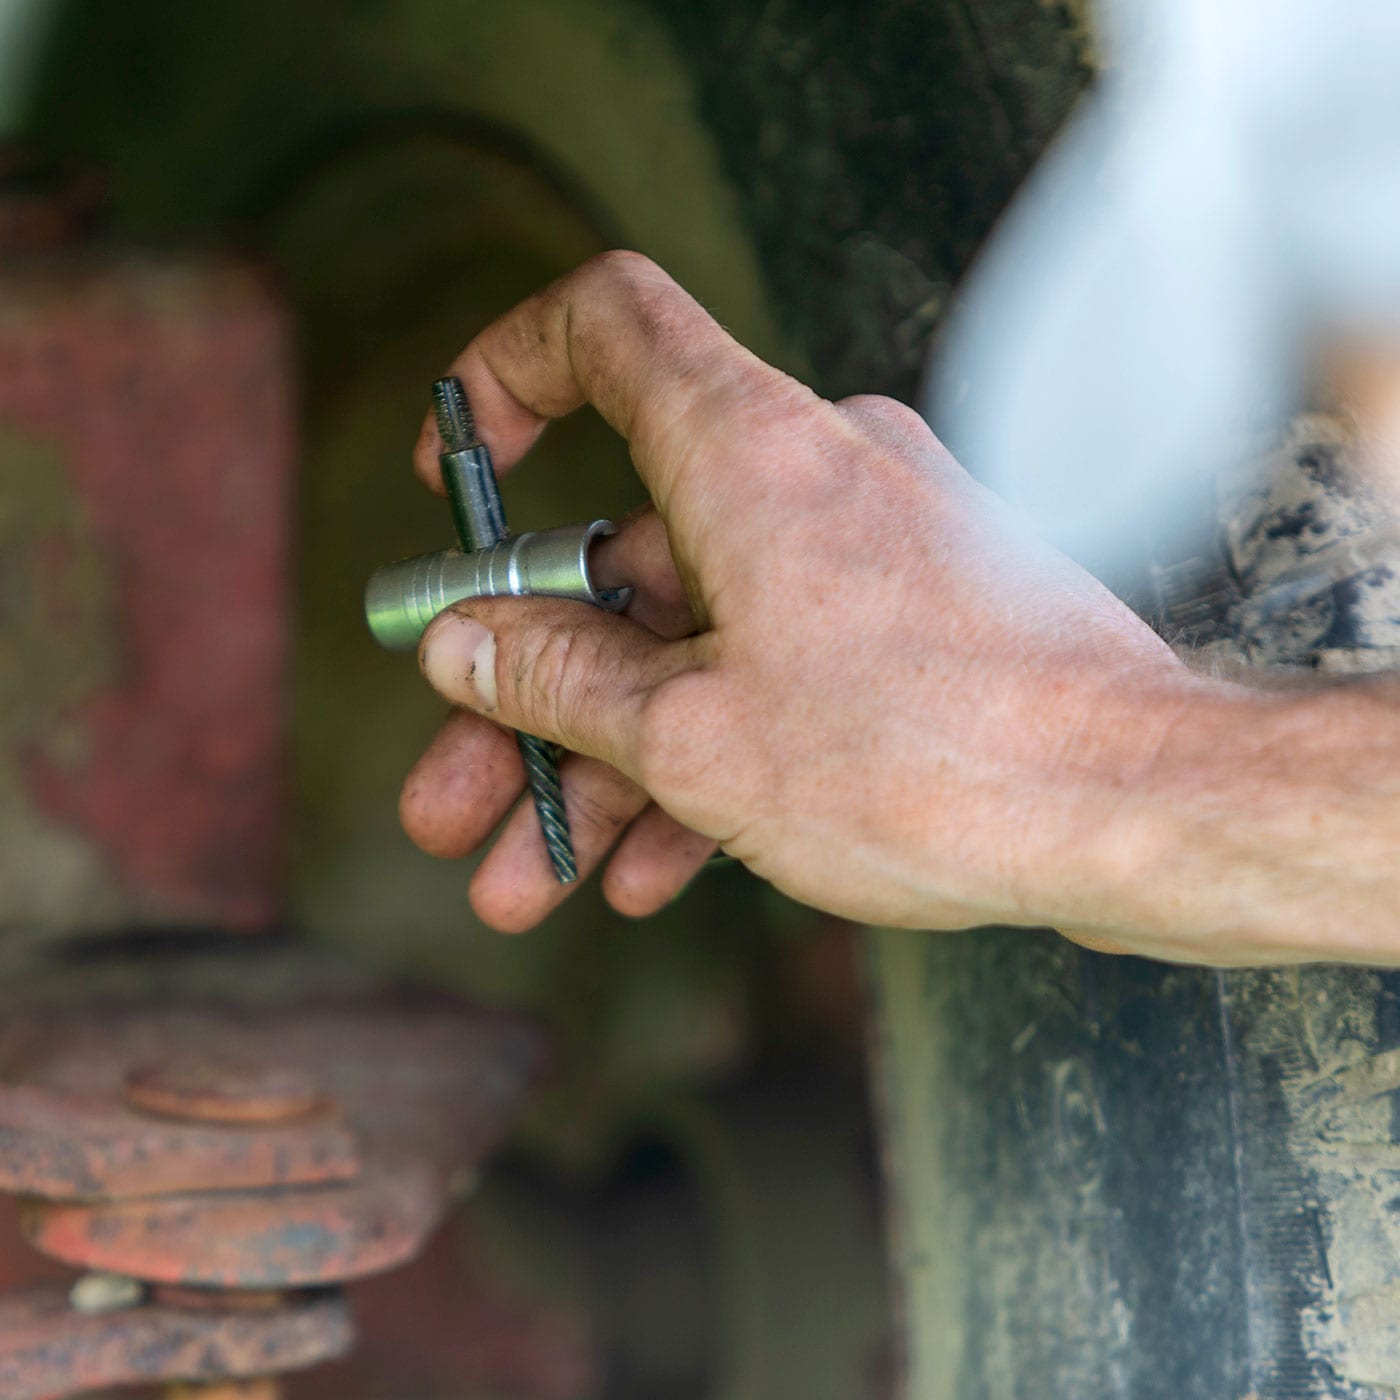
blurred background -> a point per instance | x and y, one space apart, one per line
237 243
253 1045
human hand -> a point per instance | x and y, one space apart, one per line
845 663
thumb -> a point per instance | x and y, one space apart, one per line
560 670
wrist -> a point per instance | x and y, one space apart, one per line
1119 836
1253 826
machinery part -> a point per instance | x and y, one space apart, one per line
467 470
402 599
288 1238
480 518
66 1147
214 1093
419 1074
141 767
409 1067
406 1092
47 1350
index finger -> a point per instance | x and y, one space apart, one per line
620 334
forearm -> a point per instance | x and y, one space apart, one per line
1263 826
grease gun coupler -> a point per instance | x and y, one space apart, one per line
402 599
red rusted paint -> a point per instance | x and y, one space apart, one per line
66 1148
164 389
48 1351
287 1238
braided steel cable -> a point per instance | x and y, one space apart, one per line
470 479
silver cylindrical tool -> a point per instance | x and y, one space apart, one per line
402 599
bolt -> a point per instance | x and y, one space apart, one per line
207 1092
480 518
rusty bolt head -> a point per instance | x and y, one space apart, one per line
206 1092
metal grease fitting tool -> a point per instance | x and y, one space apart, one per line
401 599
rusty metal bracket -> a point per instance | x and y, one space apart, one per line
219 1150
65 1148
48 1350
289 1238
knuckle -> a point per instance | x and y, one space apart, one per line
899 417
622 270
891 425
879 408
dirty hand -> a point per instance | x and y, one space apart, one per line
845 664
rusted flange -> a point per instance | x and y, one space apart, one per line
48 1351
290 1238
67 1147
429 1078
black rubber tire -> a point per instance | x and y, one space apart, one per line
1162 1182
